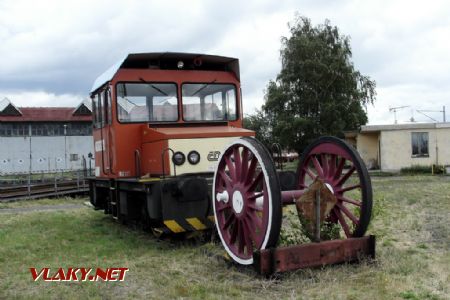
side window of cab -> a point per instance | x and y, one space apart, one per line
101 108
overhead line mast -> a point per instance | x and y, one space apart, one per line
394 109
442 111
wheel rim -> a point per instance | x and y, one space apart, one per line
344 173
244 200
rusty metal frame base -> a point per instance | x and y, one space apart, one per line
277 260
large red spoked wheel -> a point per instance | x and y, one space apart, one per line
341 168
247 200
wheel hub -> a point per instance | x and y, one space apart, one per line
238 202
222 197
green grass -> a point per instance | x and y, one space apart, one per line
39 202
410 220
291 165
42 177
419 169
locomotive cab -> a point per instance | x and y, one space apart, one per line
161 121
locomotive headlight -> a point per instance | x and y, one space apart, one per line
193 157
178 158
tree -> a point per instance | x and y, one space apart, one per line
318 91
259 123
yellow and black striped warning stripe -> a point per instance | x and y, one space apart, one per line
189 224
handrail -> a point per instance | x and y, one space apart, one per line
163 167
137 162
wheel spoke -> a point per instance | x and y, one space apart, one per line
228 222
255 182
332 165
254 207
237 163
348 213
241 234
324 161
253 219
346 176
339 169
317 166
244 163
247 236
230 167
226 179
348 200
256 195
342 221
221 207
252 229
240 237
251 170
349 188
310 173
234 233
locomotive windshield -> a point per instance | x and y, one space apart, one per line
209 102
147 102
158 102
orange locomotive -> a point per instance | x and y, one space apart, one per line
171 153
161 121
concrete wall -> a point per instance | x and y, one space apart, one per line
367 145
396 151
443 138
48 154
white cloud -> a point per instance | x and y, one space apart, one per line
415 96
41 98
51 51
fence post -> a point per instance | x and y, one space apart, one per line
78 179
56 184
29 185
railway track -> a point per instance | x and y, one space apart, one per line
42 190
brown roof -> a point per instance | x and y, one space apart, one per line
46 114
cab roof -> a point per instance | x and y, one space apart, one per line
169 61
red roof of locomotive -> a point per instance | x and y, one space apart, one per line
168 61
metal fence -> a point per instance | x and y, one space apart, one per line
39 185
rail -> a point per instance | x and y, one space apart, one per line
42 190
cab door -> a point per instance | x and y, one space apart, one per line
103 133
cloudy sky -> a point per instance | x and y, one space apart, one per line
52 51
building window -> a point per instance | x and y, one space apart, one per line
13 129
73 157
46 129
419 144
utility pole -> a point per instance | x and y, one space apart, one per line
443 113
394 109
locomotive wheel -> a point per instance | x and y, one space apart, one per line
247 200
335 161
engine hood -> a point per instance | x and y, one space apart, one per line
191 132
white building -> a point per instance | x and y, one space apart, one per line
392 147
44 139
